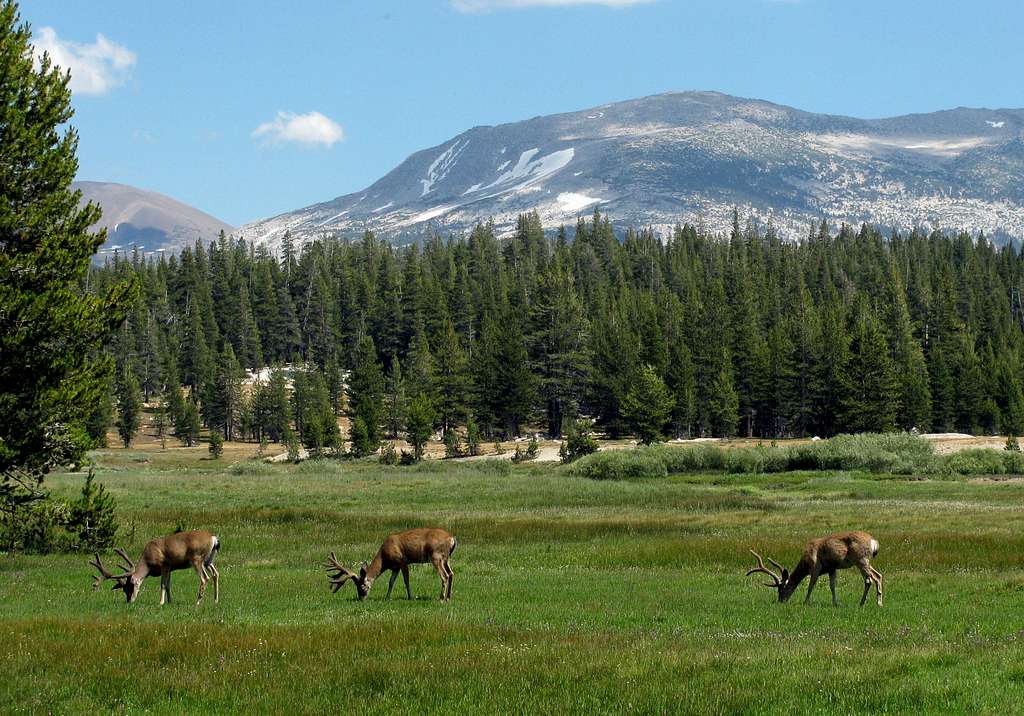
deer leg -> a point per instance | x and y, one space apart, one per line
878 583
216 582
810 585
832 586
405 576
443 576
202 581
865 570
451 577
394 576
165 587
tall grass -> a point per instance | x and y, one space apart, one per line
885 453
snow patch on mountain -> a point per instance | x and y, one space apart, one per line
528 170
439 168
572 202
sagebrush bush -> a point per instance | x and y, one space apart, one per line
983 461
251 468
619 465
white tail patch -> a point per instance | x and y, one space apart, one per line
874 547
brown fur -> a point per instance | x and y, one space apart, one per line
417 546
161 556
827 555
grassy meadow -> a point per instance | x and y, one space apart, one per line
571 595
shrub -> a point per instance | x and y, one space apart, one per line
388 454
498 468
216 445
253 469
407 458
579 441
91 517
529 453
701 458
983 461
756 460
452 444
291 443
1011 444
472 437
618 465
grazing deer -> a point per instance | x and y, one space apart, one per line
399 550
825 556
162 556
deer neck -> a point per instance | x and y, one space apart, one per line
800 571
373 571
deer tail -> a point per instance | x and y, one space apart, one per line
454 542
874 548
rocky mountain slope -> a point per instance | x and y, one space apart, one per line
147 220
692 157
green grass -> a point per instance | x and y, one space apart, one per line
571 596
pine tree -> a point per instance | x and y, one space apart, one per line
452 379
187 429
47 386
419 424
394 400
722 406
226 394
100 419
870 400
558 345
647 407
366 390
129 405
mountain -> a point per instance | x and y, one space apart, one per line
147 220
692 157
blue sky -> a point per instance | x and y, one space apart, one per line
249 109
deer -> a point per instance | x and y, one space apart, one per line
162 556
825 556
399 550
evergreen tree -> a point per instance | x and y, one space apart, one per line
366 390
647 407
187 429
226 394
870 401
394 400
559 344
419 424
452 379
129 405
52 369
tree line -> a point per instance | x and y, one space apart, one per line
696 335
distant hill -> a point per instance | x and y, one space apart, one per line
692 157
147 220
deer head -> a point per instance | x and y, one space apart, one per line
779 581
342 574
124 581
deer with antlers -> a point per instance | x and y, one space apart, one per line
162 556
418 546
826 556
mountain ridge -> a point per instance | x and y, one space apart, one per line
681 157
147 220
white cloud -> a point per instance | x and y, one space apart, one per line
308 129
488 5
95 68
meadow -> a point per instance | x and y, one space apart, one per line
571 595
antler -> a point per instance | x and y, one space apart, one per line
128 560
760 568
104 575
341 573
